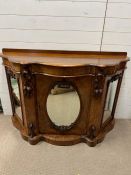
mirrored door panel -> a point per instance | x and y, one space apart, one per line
63 104
110 100
16 96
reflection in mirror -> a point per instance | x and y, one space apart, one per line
63 104
110 100
16 96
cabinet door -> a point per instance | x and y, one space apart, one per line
63 104
14 89
110 101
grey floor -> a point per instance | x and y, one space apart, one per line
111 157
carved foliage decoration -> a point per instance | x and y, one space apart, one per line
115 77
97 85
28 81
10 73
63 128
92 132
31 130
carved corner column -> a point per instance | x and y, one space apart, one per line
96 107
28 90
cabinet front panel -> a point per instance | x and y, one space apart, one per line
63 104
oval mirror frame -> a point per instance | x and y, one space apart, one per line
62 98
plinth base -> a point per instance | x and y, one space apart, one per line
63 140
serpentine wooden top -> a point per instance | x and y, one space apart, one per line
64 58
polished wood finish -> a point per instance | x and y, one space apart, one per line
89 72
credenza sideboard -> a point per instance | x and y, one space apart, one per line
64 97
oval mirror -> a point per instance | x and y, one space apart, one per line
63 104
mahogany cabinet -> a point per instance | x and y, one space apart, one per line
64 97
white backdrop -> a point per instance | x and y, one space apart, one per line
68 25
